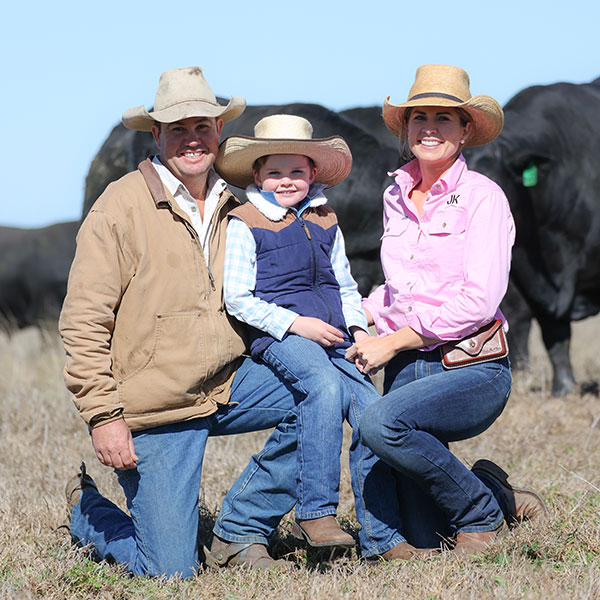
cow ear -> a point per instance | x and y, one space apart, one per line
527 168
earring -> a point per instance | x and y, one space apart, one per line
462 141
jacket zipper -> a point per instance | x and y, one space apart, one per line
211 232
194 234
314 266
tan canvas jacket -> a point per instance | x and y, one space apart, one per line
144 322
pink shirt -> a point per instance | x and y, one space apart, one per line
446 271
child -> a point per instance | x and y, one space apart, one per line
288 278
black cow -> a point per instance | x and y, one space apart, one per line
122 151
357 200
33 273
370 119
546 161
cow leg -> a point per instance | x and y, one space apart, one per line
556 334
518 315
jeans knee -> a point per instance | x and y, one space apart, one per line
327 395
370 427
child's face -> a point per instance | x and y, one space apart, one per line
287 175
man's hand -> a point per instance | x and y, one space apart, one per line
317 330
114 445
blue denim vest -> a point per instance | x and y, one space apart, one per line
293 269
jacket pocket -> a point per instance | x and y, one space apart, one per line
172 376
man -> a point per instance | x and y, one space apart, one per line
155 363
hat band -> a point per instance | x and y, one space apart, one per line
186 100
435 95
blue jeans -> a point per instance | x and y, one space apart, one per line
333 390
425 407
161 535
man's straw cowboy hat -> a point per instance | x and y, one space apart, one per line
444 85
182 93
283 134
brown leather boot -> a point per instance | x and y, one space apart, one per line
474 542
517 504
255 556
405 551
322 532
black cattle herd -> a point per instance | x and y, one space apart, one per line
546 161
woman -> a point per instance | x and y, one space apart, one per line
445 253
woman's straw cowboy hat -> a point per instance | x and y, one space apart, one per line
182 93
444 85
283 134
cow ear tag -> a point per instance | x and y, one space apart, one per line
530 176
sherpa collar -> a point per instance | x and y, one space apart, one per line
266 203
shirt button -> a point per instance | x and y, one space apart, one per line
443 224
193 209
411 257
410 309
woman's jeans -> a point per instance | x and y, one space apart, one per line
424 408
333 390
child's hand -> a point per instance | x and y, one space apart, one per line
370 354
317 330
358 334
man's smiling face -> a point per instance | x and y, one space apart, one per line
188 148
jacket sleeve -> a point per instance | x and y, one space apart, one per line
100 273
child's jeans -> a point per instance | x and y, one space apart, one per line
333 390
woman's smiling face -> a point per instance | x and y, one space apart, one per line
435 134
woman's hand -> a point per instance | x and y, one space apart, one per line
373 353
370 354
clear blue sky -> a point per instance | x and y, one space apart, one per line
70 69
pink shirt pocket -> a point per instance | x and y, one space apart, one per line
445 243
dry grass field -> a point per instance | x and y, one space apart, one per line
552 445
